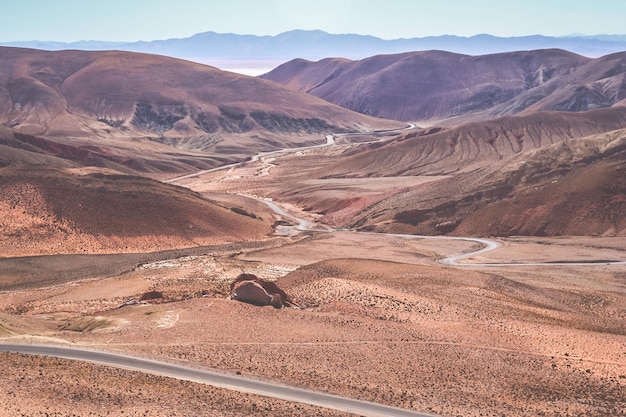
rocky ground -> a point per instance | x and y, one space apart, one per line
378 318
440 340
65 388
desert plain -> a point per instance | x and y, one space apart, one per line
376 318
135 188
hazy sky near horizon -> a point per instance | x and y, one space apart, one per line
133 20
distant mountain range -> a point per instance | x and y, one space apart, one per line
316 44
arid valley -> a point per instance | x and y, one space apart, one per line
135 188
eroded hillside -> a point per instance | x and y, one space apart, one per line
51 211
114 105
434 85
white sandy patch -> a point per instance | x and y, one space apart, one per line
168 320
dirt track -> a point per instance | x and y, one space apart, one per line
380 321
416 335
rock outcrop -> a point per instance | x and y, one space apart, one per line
251 289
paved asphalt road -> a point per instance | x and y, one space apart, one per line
232 382
243 384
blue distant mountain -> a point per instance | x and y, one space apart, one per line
316 44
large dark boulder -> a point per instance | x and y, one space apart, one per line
251 289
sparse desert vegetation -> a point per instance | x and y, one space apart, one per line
67 388
436 339
93 255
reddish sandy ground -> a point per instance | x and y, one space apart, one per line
379 319
442 340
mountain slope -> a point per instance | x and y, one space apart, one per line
437 85
105 98
548 173
599 83
145 156
473 146
584 194
110 213
572 186
575 187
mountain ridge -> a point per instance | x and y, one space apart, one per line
109 103
435 85
319 44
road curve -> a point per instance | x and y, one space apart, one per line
231 382
488 244
305 226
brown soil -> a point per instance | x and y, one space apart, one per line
67 388
48 211
380 320
448 341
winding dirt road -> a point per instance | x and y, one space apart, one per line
304 225
274 389
488 245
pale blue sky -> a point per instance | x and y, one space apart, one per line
131 20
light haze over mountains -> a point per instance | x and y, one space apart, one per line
447 213
234 51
